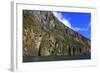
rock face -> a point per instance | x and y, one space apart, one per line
45 35
32 43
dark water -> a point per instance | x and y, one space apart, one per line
54 58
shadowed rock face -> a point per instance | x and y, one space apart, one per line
45 35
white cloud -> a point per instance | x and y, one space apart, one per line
68 24
63 20
58 15
80 29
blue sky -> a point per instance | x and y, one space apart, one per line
80 22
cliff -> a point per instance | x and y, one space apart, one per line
45 35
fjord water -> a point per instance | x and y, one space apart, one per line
55 58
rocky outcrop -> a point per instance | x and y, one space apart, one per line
45 35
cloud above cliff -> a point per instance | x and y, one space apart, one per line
62 19
66 22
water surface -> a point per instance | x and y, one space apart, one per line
54 58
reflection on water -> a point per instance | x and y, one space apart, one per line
54 58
